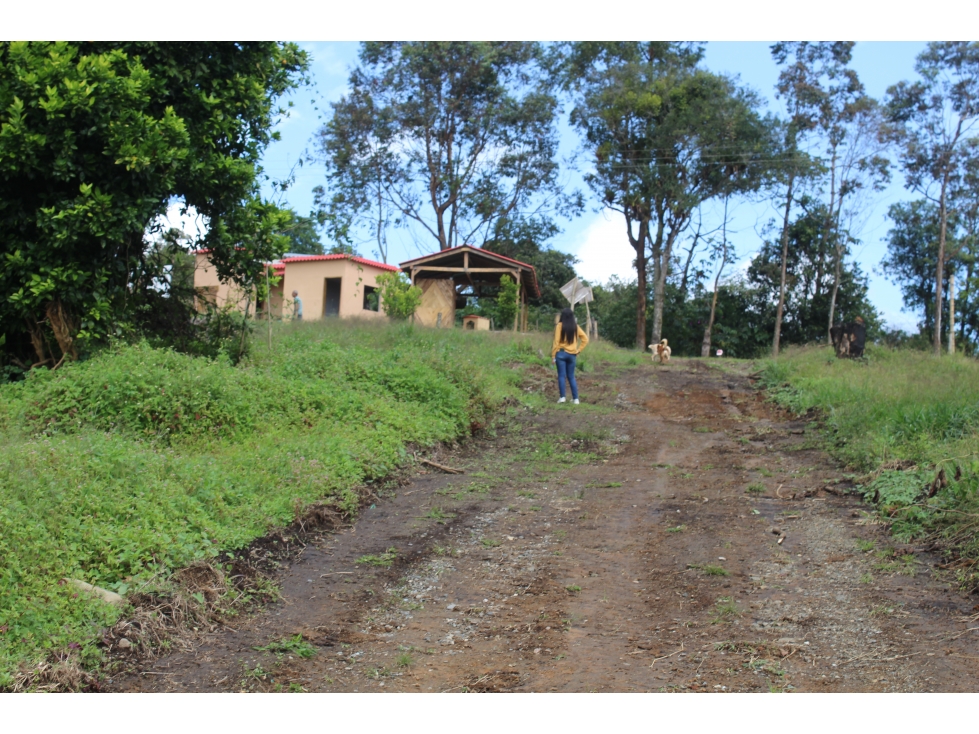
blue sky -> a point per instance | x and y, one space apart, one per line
598 239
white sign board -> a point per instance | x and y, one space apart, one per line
576 292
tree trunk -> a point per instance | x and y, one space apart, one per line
705 347
785 255
64 328
837 266
381 249
661 271
244 326
686 267
639 245
951 312
836 244
940 268
966 301
37 340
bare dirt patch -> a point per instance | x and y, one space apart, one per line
676 534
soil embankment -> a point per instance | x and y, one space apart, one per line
676 534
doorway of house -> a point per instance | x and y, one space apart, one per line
331 296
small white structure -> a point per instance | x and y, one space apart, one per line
472 322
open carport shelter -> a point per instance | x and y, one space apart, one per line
448 277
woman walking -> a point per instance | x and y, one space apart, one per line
569 341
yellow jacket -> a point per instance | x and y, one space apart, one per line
577 348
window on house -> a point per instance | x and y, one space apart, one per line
371 298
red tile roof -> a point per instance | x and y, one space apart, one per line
341 256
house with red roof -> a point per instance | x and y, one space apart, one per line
328 285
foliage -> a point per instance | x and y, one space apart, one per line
97 140
911 420
746 305
303 234
812 288
912 253
507 304
636 105
122 468
452 136
935 122
399 298
526 240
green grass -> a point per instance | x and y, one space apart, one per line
294 645
899 418
383 559
709 569
755 488
126 467
900 405
677 529
725 610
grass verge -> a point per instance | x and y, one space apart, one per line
121 470
909 423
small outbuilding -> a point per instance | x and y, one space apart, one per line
447 278
472 322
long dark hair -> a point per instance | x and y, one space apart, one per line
569 327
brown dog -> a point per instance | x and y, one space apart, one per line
661 351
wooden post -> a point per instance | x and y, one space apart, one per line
268 305
516 316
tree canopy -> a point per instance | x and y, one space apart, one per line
452 137
96 141
666 136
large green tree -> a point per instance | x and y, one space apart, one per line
806 300
912 251
447 137
935 118
96 141
666 135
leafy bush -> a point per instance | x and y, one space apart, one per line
399 298
122 468
507 304
909 418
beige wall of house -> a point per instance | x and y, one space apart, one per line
341 284
212 289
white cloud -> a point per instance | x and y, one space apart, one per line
604 251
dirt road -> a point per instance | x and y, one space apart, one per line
673 533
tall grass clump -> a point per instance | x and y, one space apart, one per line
909 421
124 468
898 405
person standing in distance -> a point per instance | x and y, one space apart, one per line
570 340
297 306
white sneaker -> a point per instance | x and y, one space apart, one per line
560 400
576 401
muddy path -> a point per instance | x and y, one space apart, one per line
675 533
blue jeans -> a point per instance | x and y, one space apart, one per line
565 370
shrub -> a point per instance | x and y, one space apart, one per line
399 298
